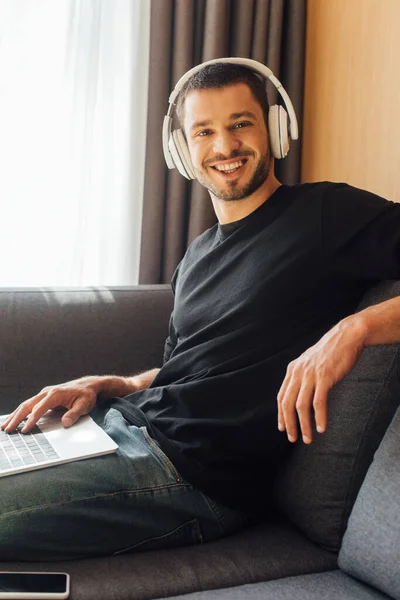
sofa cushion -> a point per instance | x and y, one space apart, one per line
371 545
261 552
329 586
319 483
51 335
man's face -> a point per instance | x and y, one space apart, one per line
227 140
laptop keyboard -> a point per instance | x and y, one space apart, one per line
18 450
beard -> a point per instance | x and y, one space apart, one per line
232 190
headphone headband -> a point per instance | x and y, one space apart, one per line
255 66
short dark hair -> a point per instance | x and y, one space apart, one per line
219 75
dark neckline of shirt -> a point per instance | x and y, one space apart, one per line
226 229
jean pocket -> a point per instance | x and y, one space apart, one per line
185 535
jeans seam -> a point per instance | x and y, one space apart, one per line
161 455
87 498
218 513
164 535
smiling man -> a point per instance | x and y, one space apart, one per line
264 304
229 147
226 130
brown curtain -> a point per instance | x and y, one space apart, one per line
184 33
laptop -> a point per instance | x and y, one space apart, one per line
49 443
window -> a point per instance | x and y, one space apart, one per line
73 101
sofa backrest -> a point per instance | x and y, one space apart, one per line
371 544
48 336
318 485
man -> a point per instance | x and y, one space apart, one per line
257 298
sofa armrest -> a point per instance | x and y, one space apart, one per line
50 335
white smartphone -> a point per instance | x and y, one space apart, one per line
33 585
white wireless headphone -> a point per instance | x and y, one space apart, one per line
281 127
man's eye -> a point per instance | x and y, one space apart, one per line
241 124
204 132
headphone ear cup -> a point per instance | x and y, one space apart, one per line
180 154
278 131
174 151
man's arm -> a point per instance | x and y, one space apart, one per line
309 378
78 396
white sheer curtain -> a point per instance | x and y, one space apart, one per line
73 97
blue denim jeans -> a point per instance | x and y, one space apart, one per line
132 500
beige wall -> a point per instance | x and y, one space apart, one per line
352 97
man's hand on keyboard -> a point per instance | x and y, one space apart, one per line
78 396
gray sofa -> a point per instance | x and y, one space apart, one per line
48 336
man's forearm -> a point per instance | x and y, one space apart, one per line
381 323
108 386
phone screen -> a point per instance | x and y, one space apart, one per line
43 583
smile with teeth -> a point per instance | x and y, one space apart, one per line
231 167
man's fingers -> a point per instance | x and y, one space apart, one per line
288 407
304 408
320 405
301 399
78 397
82 406
281 418
20 413
14 419
38 410
281 396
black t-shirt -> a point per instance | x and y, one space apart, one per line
250 297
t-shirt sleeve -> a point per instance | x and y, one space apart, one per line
360 233
172 338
